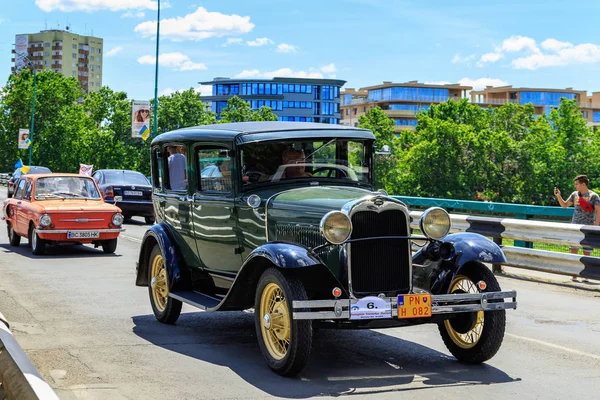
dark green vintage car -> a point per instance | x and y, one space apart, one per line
282 217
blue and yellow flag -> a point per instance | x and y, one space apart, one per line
145 132
25 169
19 163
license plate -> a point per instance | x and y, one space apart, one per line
414 305
133 193
83 235
371 308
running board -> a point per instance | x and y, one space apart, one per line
196 299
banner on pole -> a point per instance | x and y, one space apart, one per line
24 141
21 44
86 169
140 119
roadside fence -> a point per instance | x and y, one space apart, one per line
19 379
4 178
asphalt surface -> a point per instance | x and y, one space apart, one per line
91 333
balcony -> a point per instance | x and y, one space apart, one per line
36 58
57 57
57 47
86 52
399 113
82 69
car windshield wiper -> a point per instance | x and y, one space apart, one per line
69 194
319 148
43 196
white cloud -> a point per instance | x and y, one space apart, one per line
95 5
259 42
489 58
458 59
113 51
328 69
282 72
199 25
177 61
481 83
520 43
555 45
131 14
286 48
231 41
202 90
586 53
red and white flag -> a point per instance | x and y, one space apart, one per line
85 169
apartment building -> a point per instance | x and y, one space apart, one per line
399 101
291 99
543 100
64 52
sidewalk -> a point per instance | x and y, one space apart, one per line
550 278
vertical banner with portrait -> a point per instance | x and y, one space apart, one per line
21 44
24 141
140 119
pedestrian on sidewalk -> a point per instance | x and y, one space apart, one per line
587 209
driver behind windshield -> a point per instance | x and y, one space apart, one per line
291 157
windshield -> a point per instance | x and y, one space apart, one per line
125 178
323 158
65 187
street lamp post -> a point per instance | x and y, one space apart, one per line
154 128
32 125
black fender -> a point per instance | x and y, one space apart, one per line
158 234
318 280
437 274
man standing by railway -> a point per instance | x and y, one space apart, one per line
587 208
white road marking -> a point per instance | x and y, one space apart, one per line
133 239
555 346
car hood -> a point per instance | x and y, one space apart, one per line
316 198
50 206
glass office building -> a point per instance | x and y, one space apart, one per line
291 99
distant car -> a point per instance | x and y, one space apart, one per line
61 208
18 173
132 186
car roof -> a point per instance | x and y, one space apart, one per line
117 170
244 132
56 175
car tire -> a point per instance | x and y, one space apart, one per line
38 246
286 348
149 220
13 238
166 309
109 246
474 337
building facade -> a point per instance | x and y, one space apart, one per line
399 101
291 99
64 52
543 100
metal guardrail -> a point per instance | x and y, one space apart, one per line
537 231
19 379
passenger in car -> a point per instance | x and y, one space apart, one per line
177 169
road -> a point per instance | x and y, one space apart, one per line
91 333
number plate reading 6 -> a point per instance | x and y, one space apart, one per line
83 235
414 306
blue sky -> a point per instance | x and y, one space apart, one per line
365 42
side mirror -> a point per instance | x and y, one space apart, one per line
118 198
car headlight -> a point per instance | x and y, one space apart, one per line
45 220
336 227
117 219
435 223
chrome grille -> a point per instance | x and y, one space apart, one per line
380 265
307 235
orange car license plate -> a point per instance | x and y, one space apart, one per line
414 305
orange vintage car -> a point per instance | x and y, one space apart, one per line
61 208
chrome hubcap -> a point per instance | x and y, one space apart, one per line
267 321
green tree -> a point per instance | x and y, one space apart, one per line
238 110
181 110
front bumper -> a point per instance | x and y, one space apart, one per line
60 235
441 304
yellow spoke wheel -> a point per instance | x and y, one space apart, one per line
276 324
468 339
158 283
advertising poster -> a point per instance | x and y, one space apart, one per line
24 141
140 119
86 169
21 43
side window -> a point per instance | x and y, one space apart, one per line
177 167
158 171
27 192
214 168
19 191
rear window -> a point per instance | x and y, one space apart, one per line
125 178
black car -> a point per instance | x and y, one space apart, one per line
300 235
132 186
18 173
